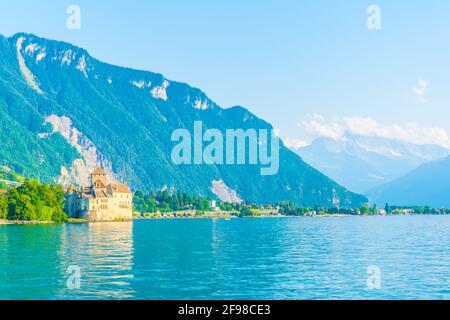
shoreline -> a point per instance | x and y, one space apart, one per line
18 222
231 217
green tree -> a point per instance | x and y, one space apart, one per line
245 212
3 207
375 210
59 216
387 208
24 209
36 201
365 210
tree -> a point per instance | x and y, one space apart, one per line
36 201
3 207
13 199
225 206
24 209
245 212
387 208
59 216
375 210
365 210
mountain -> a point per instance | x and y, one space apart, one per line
361 163
428 185
62 112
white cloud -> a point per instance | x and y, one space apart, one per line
294 143
320 128
420 91
366 126
318 117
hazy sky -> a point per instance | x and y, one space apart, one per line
309 67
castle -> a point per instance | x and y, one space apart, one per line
100 201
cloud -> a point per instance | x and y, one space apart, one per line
420 91
320 128
366 126
294 143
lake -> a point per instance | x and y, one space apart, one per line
286 258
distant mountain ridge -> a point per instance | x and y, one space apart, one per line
62 112
428 185
361 163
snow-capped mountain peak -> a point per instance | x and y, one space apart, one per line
363 162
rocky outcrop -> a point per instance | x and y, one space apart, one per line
224 193
91 157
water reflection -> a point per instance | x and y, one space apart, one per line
104 253
34 261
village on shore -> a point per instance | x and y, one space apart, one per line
27 201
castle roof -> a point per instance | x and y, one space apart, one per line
100 193
117 188
105 192
99 171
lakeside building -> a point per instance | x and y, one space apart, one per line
100 201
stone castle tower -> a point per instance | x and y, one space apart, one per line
98 178
101 201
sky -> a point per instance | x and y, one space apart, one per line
311 68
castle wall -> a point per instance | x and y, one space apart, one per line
115 208
100 203
71 204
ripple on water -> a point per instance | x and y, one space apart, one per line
324 258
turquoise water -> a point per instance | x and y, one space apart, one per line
294 258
